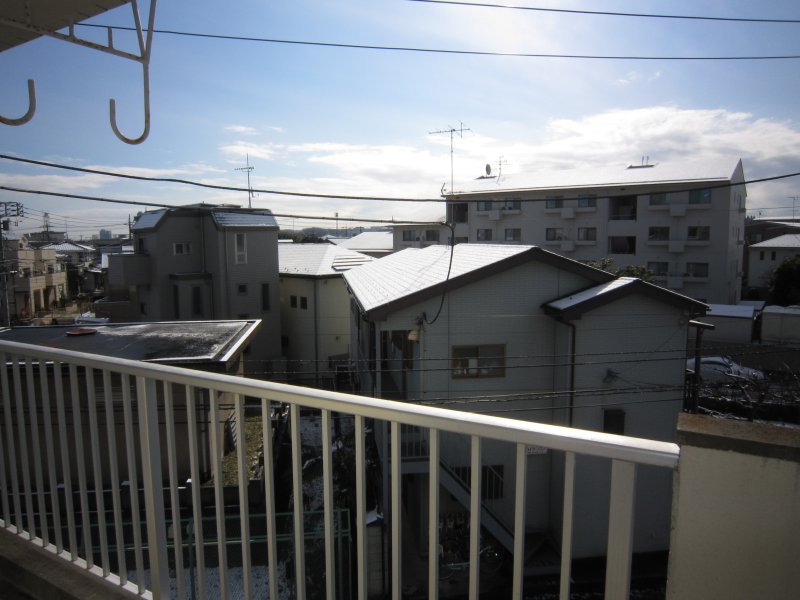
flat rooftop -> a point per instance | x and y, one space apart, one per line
177 342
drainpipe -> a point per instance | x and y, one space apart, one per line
316 333
571 369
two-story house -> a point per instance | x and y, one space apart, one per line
521 332
683 222
202 262
315 311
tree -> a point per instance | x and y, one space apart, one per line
784 283
606 264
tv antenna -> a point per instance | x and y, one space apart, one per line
452 130
248 168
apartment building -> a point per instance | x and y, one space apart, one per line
197 263
684 222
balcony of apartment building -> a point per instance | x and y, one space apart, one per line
124 479
677 204
622 208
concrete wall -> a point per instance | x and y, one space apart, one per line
736 511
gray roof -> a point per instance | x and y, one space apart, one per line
620 174
576 304
174 342
369 241
244 218
736 311
787 240
148 220
416 273
317 260
68 247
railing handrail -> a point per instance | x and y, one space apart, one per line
625 448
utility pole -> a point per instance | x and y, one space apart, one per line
7 210
451 130
247 169
793 199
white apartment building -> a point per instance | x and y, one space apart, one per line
684 222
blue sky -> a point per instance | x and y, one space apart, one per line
352 121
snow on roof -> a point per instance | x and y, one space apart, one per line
594 292
317 259
621 173
787 240
736 311
369 241
413 270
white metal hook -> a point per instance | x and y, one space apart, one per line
31 108
112 111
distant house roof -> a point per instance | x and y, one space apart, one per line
224 217
577 304
620 174
415 274
369 241
787 240
177 342
736 311
317 260
68 247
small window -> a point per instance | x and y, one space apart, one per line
513 234
659 269
293 301
241 248
699 233
587 201
179 248
554 202
458 212
761 255
700 197
408 235
265 297
614 421
484 235
773 255
658 234
658 199
479 361
696 269
431 235
484 205
553 234
303 303
197 301
587 234
512 204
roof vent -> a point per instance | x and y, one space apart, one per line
645 164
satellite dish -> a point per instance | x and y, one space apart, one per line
488 169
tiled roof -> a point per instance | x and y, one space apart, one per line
787 240
229 218
317 259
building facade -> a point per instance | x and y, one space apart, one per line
684 223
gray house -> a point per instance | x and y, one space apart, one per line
521 332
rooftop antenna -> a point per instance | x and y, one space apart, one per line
451 130
248 168
500 162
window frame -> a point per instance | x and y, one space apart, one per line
484 235
702 233
554 234
582 234
461 368
516 234
240 248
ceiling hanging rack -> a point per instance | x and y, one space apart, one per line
144 39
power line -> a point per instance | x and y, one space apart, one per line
608 13
446 51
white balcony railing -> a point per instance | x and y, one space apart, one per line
75 427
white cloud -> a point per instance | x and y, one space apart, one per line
241 149
241 129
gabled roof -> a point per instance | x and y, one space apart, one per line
369 241
224 217
787 240
68 247
317 260
415 274
705 171
575 305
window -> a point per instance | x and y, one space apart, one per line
553 234
622 208
587 201
658 199
264 297
431 235
614 421
553 202
408 235
462 240
659 269
241 289
484 205
241 248
696 269
622 244
303 303
484 235
699 233
512 204
293 301
587 234
458 212
479 361
773 255
658 234
181 248
700 197
761 255
197 301
513 234
176 301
